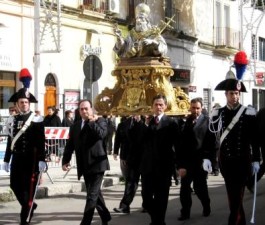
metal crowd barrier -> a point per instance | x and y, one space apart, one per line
55 141
56 138
3 142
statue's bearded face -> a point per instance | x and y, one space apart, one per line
141 24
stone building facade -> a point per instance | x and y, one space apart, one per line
201 45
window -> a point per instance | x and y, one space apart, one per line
101 6
96 5
258 4
254 47
7 87
218 24
258 98
50 80
170 11
207 99
261 49
131 15
255 98
224 34
227 25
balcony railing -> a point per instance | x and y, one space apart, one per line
227 37
100 6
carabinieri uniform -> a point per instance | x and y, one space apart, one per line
28 150
236 153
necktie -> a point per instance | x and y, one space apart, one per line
82 125
156 120
132 123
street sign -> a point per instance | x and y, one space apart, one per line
92 68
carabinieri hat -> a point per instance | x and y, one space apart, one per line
25 77
232 83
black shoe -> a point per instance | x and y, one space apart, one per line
144 210
250 188
206 211
216 173
104 223
32 211
121 210
154 224
183 217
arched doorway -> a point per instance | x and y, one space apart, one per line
50 93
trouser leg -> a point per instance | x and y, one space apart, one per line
102 209
155 192
235 173
94 199
185 195
23 184
235 195
201 188
131 185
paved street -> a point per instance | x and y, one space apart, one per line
67 210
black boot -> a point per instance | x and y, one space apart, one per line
206 210
184 214
32 211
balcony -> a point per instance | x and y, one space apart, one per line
100 6
97 6
226 41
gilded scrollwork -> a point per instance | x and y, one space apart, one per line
137 85
134 96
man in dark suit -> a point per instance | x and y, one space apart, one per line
129 140
190 165
158 161
86 139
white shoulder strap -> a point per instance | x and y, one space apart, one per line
232 123
22 130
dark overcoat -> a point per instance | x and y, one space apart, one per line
88 145
161 145
192 138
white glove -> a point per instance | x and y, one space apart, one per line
207 165
255 167
6 166
42 166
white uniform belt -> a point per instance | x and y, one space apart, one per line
22 130
232 123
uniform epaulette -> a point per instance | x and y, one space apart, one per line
251 111
37 119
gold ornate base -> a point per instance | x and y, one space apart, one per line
138 81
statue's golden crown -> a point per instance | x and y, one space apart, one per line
142 9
